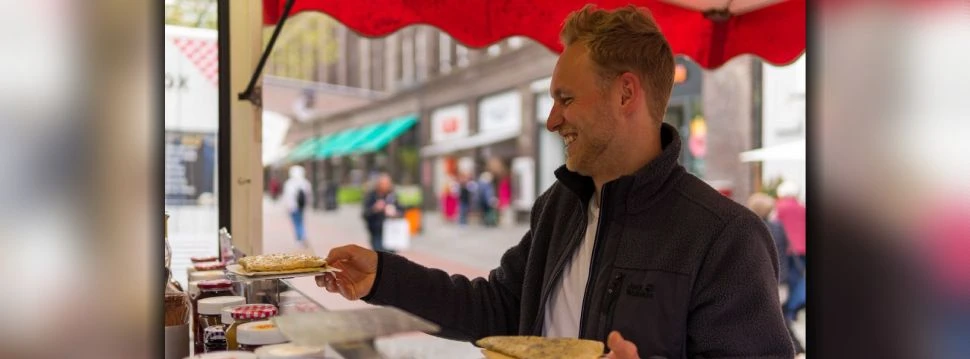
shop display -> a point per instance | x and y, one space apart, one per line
210 314
532 347
290 351
244 314
254 335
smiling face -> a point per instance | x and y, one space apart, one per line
581 112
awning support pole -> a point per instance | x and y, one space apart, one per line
251 94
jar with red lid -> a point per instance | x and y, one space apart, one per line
208 289
245 314
203 259
254 335
207 266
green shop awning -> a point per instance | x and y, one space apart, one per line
362 135
335 141
391 130
304 150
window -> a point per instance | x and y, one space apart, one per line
494 50
444 53
461 53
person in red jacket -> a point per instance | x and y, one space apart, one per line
791 213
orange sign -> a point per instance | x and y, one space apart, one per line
680 74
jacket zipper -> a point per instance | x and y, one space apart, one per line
592 262
547 287
612 294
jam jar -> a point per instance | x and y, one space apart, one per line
214 338
203 259
206 275
210 313
207 289
243 314
254 335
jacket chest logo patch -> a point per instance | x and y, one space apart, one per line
639 290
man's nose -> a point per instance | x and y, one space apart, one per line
555 119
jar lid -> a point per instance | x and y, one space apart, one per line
232 354
214 305
253 311
206 275
215 284
202 259
206 266
263 332
227 314
214 333
290 351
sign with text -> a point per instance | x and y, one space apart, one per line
190 162
502 112
449 123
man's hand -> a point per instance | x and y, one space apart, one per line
358 267
620 348
379 206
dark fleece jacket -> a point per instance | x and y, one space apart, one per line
678 269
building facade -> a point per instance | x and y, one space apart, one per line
485 109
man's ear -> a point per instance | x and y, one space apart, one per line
630 90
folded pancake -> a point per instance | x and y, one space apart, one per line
281 262
531 347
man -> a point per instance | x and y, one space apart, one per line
297 193
379 204
626 247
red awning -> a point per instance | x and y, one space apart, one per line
772 30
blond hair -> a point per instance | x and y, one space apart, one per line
626 39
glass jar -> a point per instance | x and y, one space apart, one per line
202 290
254 335
214 338
199 276
203 259
243 314
210 313
290 351
209 266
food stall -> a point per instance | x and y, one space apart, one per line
223 309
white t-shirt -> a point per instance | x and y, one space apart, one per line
565 306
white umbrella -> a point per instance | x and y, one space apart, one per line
791 151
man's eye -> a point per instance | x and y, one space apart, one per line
567 100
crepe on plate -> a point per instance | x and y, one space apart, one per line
532 347
281 262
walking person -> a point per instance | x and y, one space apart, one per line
791 213
379 204
763 206
487 199
297 194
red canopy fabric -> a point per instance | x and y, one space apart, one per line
776 33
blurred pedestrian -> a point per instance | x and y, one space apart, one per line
379 204
466 192
297 194
487 199
274 187
763 206
449 198
791 213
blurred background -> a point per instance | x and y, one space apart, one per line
104 103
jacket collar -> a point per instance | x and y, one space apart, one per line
642 185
